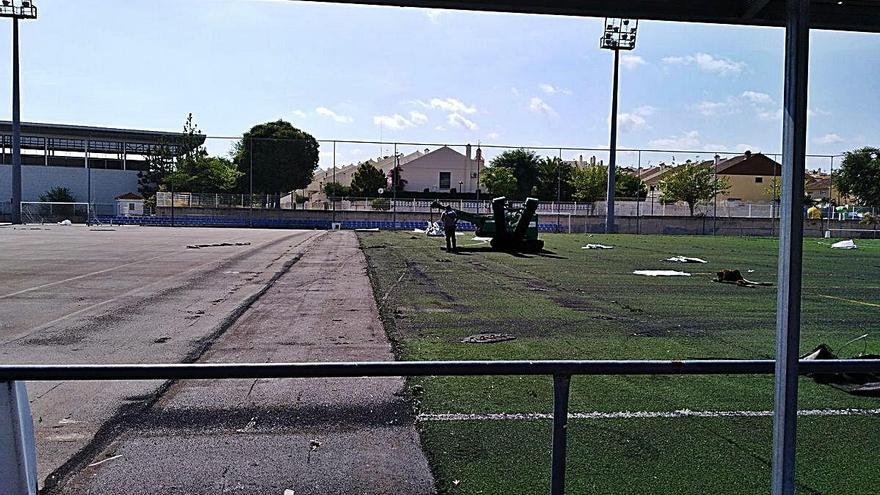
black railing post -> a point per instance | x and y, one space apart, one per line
560 433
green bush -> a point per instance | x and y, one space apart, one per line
381 204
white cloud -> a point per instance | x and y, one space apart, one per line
829 139
756 97
418 118
713 108
395 122
538 105
631 61
299 113
439 128
743 147
708 63
326 112
458 120
552 90
635 120
770 114
714 147
453 105
493 135
434 15
684 141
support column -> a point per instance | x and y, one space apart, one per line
16 129
18 458
788 299
612 152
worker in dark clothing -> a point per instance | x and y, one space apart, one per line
449 220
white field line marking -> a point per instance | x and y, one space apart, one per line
105 460
681 413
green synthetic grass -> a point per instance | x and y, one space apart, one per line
571 303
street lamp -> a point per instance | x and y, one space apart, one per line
620 34
16 10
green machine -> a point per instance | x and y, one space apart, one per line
511 229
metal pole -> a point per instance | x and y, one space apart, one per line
612 152
172 199
16 129
18 460
558 188
788 300
333 196
560 433
88 183
394 178
639 196
251 186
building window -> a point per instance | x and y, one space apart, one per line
759 180
445 180
131 207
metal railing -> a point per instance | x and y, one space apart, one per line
561 371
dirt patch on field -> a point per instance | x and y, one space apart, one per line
419 277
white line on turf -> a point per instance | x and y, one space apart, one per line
681 413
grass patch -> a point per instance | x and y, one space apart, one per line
586 304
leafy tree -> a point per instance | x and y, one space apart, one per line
629 186
335 190
774 192
499 181
553 173
284 158
383 204
186 167
58 194
524 165
589 184
859 175
367 180
692 183
397 180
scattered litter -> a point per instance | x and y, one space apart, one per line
65 222
102 461
289 492
314 444
482 239
432 229
597 246
864 384
661 273
374 229
217 244
487 338
684 259
249 426
735 277
161 340
848 244
750 271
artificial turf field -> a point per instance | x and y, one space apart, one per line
569 303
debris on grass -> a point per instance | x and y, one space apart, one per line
597 246
65 222
661 273
848 244
735 277
487 338
684 259
864 384
432 229
374 229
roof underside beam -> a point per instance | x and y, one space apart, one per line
754 7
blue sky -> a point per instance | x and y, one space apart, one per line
355 72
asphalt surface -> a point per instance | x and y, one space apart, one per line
230 436
72 295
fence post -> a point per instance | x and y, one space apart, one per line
18 458
560 433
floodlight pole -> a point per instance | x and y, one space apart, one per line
16 129
612 151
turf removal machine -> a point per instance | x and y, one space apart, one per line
511 229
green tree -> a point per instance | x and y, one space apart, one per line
589 184
335 190
859 175
629 186
397 180
692 183
499 181
58 194
367 180
284 158
524 165
553 173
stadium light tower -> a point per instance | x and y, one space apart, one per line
16 9
620 34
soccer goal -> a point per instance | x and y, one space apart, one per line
42 212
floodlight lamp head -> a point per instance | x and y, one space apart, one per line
620 34
18 9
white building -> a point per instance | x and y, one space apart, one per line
443 170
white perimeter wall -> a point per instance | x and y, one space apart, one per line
36 180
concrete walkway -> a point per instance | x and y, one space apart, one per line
316 436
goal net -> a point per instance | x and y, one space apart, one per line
41 212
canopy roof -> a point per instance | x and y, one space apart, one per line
846 15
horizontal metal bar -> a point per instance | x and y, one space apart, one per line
417 368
